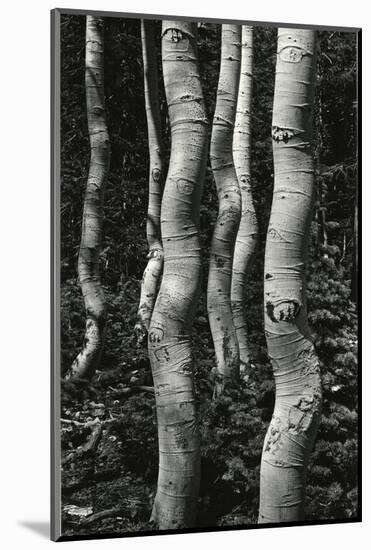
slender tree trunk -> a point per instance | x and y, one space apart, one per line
248 229
152 274
172 319
296 415
229 195
88 263
355 267
323 210
355 251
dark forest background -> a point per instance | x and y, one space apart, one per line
120 473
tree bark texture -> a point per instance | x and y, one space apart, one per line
248 228
88 262
229 196
296 415
153 272
172 319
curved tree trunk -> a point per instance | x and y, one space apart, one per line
88 263
223 241
152 274
172 319
248 228
296 415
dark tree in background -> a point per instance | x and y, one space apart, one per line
92 218
118 473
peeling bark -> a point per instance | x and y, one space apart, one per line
296 415
91 235
248 228
153 272
170 329
226 227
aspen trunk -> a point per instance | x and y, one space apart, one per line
88 263
152 274
172 319
248 228
296 415
229 196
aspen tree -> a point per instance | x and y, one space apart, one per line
226 227
248 228
296 415
91 234
152 274
172 319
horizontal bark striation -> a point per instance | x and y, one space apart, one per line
91 234
153 271
248 228
172 319
294 424
226 227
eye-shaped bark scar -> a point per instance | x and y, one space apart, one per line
186 368
275 235
156 335
291 54
178 39
219 260
283 134
97 110
185 186
156 175
284 310
245 181
95 45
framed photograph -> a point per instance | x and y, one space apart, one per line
205 191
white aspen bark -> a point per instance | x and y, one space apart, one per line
170 329
91 235
152 274
248 228
226 227
297 410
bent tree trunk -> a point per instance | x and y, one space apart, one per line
226 227
296 415
88 263
248 228
152 274
170 329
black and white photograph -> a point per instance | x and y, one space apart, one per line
205 196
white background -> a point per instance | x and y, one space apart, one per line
24 219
